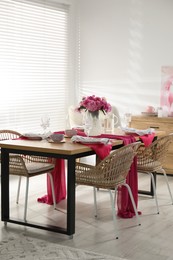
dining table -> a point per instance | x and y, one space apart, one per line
68 151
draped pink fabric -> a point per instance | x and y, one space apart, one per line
58 175
147 139
125 208
101 150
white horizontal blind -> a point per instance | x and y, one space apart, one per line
34 58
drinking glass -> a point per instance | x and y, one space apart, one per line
45 123
127 119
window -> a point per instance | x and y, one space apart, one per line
34 63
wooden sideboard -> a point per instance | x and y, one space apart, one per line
159 124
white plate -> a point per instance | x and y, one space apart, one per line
138 131
149 114
51 141
89 140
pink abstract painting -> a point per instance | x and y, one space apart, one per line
166 100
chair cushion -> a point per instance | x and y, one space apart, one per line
38 168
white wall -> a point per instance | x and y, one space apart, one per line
123 44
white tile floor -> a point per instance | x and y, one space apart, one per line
152 240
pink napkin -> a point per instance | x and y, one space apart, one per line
127 139
102 150
147 139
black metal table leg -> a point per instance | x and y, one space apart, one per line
4 185
71 198
5 198
151 191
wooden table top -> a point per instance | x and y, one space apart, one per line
66 148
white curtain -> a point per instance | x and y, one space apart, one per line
34 64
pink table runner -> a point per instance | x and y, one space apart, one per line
125 208
58 175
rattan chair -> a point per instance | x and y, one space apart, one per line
9 134
75 118
150 160
27 166
109 174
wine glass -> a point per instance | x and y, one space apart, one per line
127 119
45 123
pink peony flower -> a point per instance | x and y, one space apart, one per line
93 104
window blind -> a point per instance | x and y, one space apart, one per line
34 58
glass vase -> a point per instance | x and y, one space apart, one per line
93 124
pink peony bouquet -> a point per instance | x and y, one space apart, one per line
94 104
